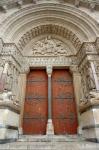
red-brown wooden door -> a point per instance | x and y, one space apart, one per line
63 103
35 108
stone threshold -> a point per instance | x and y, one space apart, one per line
50 138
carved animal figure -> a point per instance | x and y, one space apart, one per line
6 96
94 95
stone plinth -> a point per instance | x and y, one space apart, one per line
50 128
90 119
9 121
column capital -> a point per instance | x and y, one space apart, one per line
74 69
49 70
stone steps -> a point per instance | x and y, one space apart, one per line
51 138
50 143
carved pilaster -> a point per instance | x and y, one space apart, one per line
78 92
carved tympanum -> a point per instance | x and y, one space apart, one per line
50 47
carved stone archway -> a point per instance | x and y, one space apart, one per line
71 34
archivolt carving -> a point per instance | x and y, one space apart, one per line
50 47
49 29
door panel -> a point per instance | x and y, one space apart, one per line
35 108
63 103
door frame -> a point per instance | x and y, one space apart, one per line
72 70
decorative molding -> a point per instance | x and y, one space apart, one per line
53 61
49 29
87 49
13 27
85 3
90 126
9 127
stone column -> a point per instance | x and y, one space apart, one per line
78 93
21 95
50 128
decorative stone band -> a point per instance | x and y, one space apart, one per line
77 3
10 106
9 127
85 106
90 127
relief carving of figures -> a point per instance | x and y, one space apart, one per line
89 48
83 81
1 45
77 2
10 84
49 47
9 79
7 96
89 78
97 45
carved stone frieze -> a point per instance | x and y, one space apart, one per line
14 3
87 50
54 61
11 49
89 47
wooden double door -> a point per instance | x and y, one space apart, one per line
64 115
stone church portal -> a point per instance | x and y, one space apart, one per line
49 70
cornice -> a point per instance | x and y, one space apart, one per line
8 4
